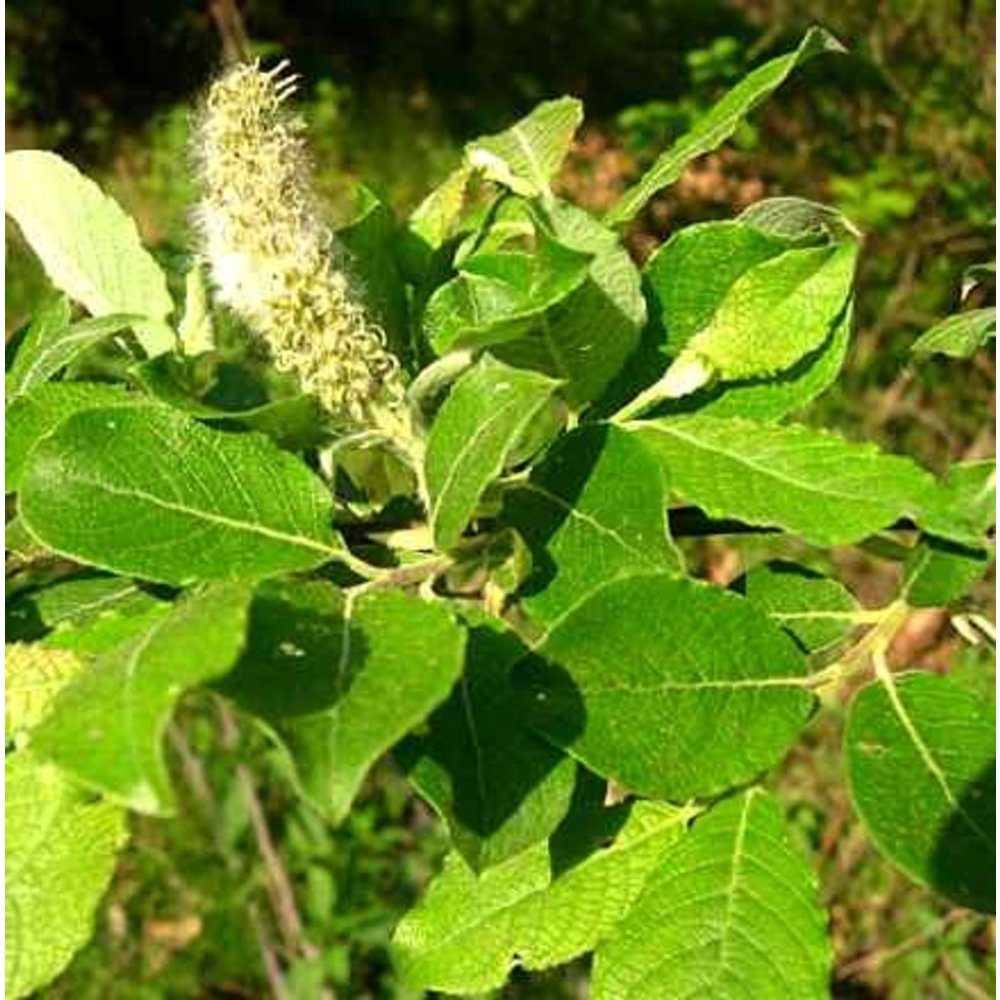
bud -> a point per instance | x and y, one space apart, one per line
272 259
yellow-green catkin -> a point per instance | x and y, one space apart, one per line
272 259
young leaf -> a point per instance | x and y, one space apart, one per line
773 315
88 246
828 490
592 511
959 336
688 277
48 322
719 123
525 156
922 774
341 681
799 219
672 688
468 932
44 354
732 913
501 296
60 855
813 609
488 409
36 414
588 337
106 726
198 503
434 218
499 787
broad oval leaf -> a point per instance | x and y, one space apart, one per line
106 726
921 767
719 123
828 490
35 414
732 913
145 491
592 511
60 856
468 933
88 246
476 428
341 680
672 688
499 787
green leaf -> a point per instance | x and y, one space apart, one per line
799 219
501 296
33 675
525 156
48 322
295 423
592 511
197 503
468 933
49 350
435 217
922 774
672 688
815 610
476 428
939 573
719 123
965 504
828 490
586 338
776 313
195 330
733 912
342 680
79 601
38 413
88 246
688 277
498 786
106 726
369 240
959 336
60 856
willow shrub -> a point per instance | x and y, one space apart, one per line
452 518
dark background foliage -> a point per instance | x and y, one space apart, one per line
898 134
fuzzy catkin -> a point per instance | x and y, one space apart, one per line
273 261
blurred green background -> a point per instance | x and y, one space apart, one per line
898 135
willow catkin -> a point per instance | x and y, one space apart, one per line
272 259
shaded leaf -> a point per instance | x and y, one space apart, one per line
922 774
672 688
499 787
592 511
342 680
